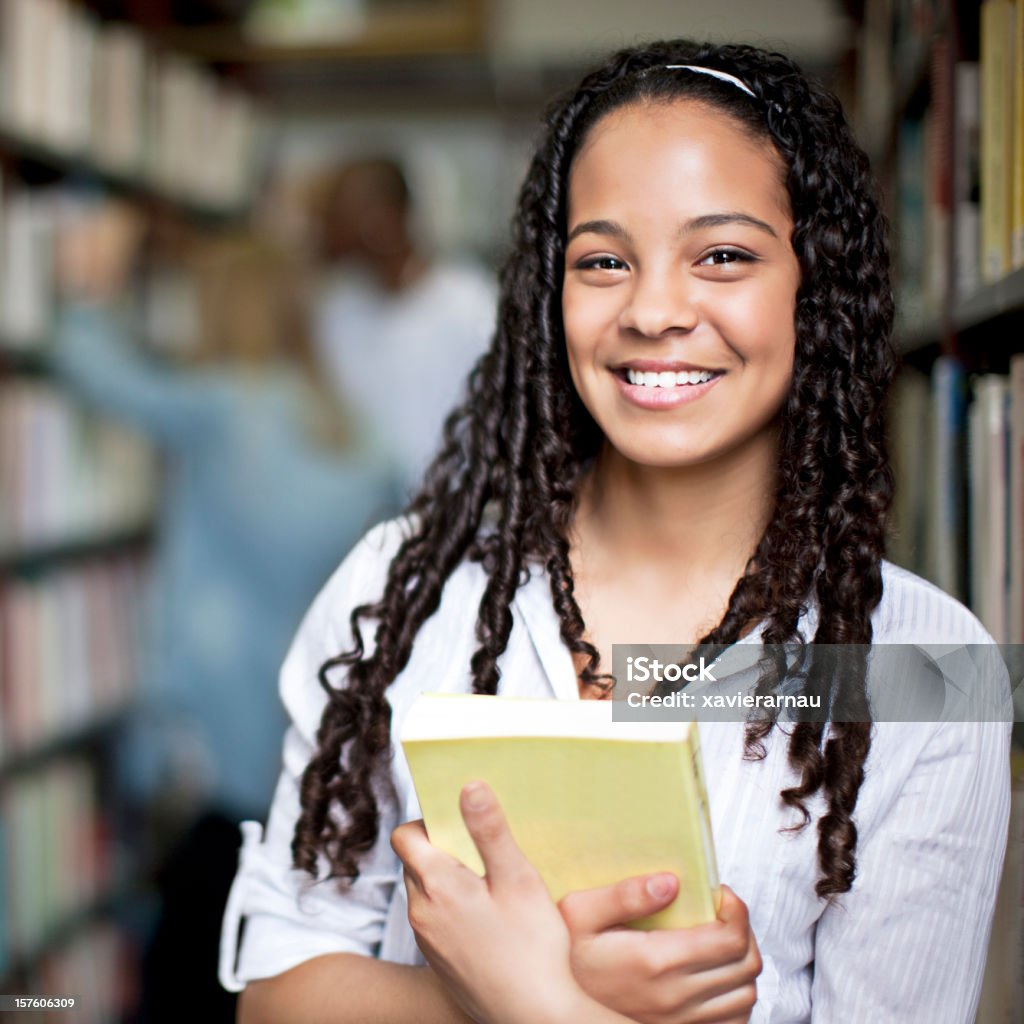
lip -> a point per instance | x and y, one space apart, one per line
663 398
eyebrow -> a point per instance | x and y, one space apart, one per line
709 220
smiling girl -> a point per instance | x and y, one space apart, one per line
677 436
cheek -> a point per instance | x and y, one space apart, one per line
585 316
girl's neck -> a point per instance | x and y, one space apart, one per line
706 519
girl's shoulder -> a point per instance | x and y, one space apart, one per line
363 573
915 611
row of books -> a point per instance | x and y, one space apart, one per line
66 477
961 163
70 649
29 219
1002 137
942 424
55 852
92 968
98 91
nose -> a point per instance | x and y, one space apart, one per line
659 301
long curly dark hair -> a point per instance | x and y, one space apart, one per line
518 445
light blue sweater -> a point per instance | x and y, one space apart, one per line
253 519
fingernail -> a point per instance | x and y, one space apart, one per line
477 796
659 886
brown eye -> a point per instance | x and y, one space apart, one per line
723 257
601 263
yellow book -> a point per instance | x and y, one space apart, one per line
1018 140
590 801
998 18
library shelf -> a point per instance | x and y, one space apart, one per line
38 154
33 560
1001 299
70 740
23 360
24 963
918 337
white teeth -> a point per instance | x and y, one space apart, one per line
667 378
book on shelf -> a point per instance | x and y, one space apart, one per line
925 207
92 965
998 33
988 447
87 89
938 182
945 508
967 176
57 864
66 475
1015 625
70 650
27 239
1017 224
575 788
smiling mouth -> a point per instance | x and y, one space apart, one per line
666 378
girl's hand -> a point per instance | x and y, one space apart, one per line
498 943
701 974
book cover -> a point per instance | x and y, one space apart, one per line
944 521
577 790
997 96
1016 530
1017 229
967 176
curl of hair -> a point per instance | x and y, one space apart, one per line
517 445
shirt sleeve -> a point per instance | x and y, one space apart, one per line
907 944
282 916
95 356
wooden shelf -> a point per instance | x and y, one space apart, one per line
446 26
22 964
33 560
87 734
33 361
996 301
79 165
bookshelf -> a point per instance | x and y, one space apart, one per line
90 108
940 107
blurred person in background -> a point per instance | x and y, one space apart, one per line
264 491
398 330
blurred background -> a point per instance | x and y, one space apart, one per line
247 257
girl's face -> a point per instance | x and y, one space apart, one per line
680 284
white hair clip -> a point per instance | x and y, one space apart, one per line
722 75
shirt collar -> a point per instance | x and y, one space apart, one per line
533 602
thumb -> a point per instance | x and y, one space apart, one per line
589 911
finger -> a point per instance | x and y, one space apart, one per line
721 943
733 1006
590 911
504 862
410 843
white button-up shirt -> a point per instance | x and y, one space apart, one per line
906 944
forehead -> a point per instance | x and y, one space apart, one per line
681 151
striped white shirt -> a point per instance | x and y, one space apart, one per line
906 944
